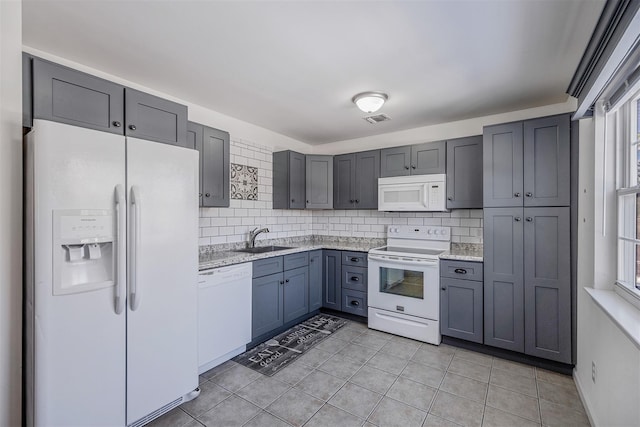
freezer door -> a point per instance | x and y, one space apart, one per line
75 337
162 352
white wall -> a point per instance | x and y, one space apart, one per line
10 212
442 131
613 399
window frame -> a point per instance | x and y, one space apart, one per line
626 120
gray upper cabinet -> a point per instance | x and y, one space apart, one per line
527 163
289 179
194 141
502 165
315 280
547 283
395 161
547 161
156 119
419 159
215 162
464 173
355 180
344 167
503 278
366 179
319 182
214 148
27 90
68 96
429 157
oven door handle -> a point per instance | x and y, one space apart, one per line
406 261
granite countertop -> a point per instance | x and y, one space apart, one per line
464 252
220 255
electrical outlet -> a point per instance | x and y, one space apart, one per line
593 371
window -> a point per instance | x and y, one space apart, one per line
626 120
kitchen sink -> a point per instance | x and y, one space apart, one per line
263 249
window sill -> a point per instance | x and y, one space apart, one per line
623 313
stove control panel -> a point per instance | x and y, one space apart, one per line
418 232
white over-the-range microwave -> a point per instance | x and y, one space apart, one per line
413 193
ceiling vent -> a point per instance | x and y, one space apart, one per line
377 118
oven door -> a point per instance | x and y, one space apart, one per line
405 285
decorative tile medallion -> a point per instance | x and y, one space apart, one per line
244 182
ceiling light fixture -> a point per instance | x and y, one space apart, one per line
370 102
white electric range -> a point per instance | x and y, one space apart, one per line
404 282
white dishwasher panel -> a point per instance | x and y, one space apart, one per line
224 314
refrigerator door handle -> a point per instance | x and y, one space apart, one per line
120 250
134 291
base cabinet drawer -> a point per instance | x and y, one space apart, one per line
357 259
354 302
464 270
354 278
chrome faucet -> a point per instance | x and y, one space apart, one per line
253 234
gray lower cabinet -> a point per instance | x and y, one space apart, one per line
419 159
289 180
527 283
267 304
503 278
69 96
547 283
155 119
280 291
296 293
464 173
332 279
315 279
354 283
355 182
214 148
319 182
461 309
527 163
354 302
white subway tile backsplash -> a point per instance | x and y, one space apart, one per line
230 225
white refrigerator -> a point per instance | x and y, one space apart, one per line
111 276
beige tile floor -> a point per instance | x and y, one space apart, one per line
362 377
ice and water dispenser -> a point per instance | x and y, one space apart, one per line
84 242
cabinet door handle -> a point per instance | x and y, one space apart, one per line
357 201
529 219
351 201
132 127
516 194
116 124
443 288
286 281
311 260
199 194
355 279
517 219
208 195
307 202
413 167
449 198
406 167
293 200
460 271
354 259
282 282
355 303
529 194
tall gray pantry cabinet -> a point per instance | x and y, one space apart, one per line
527 280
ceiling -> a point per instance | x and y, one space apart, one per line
293 67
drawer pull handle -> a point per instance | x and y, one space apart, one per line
355 279
355 303
354 259
460 271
